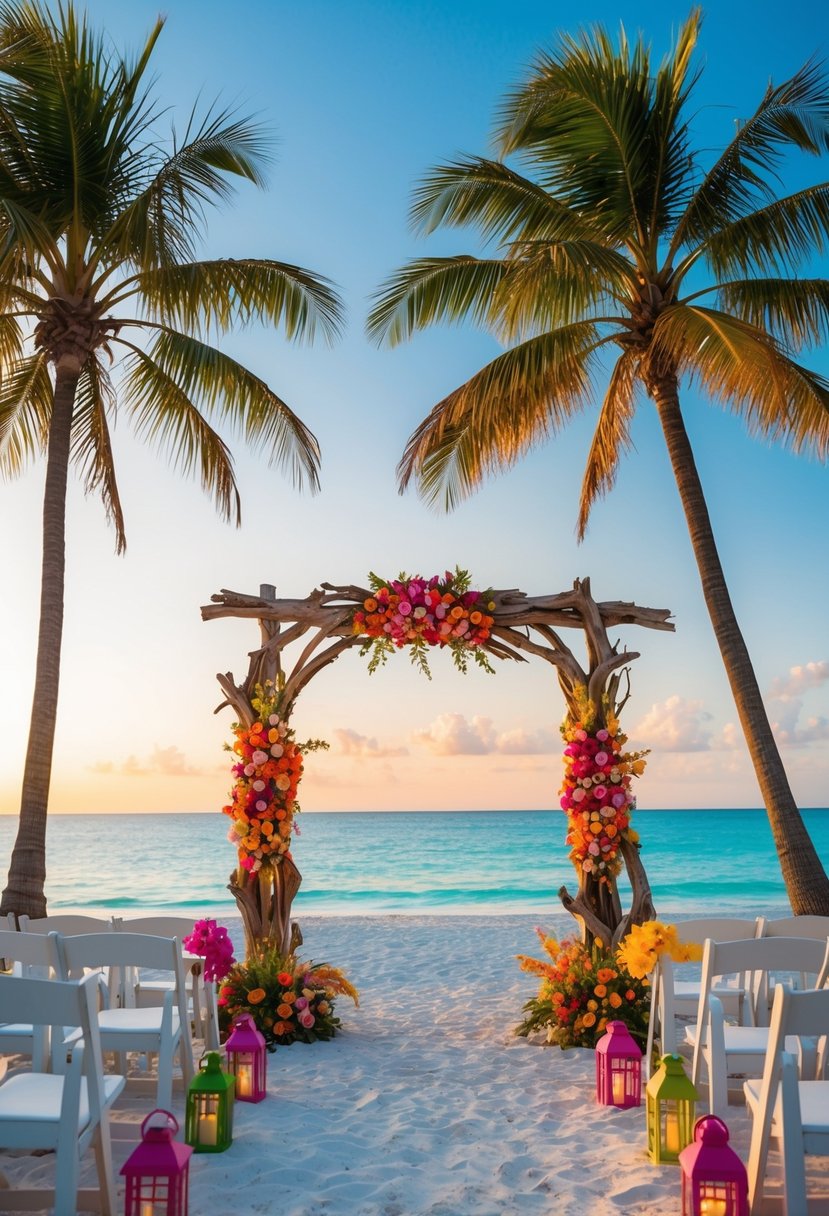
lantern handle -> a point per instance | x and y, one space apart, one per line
706 1120
172 1121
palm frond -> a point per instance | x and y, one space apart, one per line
584 120
794 311
794 114
515 402
498 201
223 293
218 385
25 413
554 284
164 415
774 239
611 439
434 289
159 226
744 367
11 344
92 445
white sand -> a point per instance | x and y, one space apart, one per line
426 1104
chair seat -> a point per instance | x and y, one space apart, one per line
36 1098
739 1040
689 990
17 1029
143 1020
814 1105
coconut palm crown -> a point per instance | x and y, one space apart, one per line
104 303
619 239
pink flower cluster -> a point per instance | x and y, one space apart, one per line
212 943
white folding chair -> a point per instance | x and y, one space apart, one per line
722 1050
789 1111
33 956
65 1110
164 1029
672 998
67 923
202 994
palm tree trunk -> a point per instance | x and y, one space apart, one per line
806 882
24 891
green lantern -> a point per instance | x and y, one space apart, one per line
208 1125
671 1099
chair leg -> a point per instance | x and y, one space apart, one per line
67 1171
164 1092
794 1167
102 1146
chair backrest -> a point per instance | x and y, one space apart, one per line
37 953
155 926
798 926
57 1004
758 958
121 951
67 923
717 928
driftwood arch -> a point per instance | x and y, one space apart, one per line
523 626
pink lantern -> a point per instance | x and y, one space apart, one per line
158 1170
247 1059
618 1068
714 1179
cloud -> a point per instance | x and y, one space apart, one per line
454 735
167 761
350 743
807 675
675 725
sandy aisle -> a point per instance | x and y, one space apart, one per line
426 1104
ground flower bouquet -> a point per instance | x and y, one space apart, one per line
288 999
581 991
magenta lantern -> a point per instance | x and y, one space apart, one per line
714 1179
247 1059
618 1068
158 1170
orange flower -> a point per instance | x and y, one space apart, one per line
630 995
475 618
284 1010
370 604
615 1000
288 998
605 974
600 990
589 1019
256 996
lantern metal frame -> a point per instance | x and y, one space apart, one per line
670 1109
618 1068
210 1096
247 1059
157 1172
714 1178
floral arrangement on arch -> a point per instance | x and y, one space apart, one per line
418 612
596 794
268 770
289 1000
581 991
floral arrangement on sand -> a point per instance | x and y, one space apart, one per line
596 795
421 612
289 1000
581 991
268 770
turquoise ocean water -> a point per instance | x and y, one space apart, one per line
370 863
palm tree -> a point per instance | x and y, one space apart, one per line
103 302
619 240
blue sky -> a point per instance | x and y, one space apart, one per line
363 98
